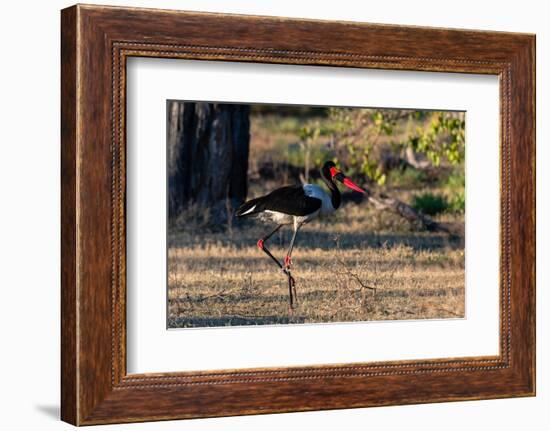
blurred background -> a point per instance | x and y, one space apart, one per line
230 152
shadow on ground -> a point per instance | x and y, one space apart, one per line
192 321
325 240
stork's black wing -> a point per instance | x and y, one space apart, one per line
290 200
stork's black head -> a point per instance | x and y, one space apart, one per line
325 170
330 172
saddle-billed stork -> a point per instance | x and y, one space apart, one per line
296 205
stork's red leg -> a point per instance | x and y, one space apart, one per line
286 270
288 257
262 246
287 264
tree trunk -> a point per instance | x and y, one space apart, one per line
208 145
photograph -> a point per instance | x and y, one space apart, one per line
295 214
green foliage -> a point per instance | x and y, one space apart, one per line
454 186
282 125
456 180
430 204
365 136
370 143
457 204
444 137
309 131
406 178
295 155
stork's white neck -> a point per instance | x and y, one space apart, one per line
315 191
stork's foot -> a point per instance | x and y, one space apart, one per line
293 298
291 280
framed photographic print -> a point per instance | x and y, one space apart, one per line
267 215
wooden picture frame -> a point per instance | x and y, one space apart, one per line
95 43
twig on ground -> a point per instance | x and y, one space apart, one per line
353 275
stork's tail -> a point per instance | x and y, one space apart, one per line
251 207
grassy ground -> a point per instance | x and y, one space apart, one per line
221 278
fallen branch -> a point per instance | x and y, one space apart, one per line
384 202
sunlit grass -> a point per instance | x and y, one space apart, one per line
222 278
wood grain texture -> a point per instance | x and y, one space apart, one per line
96 41
69 396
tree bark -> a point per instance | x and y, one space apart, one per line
208 146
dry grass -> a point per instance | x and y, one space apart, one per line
360 265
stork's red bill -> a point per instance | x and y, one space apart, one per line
338 175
